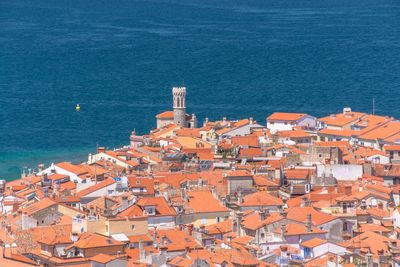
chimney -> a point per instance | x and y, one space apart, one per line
164 240
239 216
346 110
154 237
240 198
283 231
308 223
363 205
40 167
142 252
348 190
74 237
368 260
101 149
205 121
262 214
380 205
184 195
190 229
283 213
251 120
125 201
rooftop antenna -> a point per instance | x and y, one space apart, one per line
373 106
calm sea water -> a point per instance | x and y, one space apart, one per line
119 60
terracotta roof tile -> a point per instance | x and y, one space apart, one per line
285 116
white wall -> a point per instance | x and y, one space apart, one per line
241 131
104 191
379 159
396 218
325 248
161 221
280 126
72 176
307 121
341 171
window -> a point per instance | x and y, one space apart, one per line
107 228
218 219
307 252
133 227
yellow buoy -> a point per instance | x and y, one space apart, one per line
78 108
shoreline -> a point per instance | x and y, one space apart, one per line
12 163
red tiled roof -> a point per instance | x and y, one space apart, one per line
165 115
284 116
204 201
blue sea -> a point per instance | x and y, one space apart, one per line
119 59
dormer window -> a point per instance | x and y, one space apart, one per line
151 210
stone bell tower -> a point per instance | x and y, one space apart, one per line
179 96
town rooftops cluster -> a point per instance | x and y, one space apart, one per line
293 191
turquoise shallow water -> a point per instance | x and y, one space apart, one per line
119 60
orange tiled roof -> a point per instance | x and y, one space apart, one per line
285 116
188 132
392 148
260 199
176 240
249 140
300 214
371 227
253 221
294 134
385 131
165 115
299 174
251 152
261 180
204 201
76 169
103 258
342 119
92 240
371 241
161 206
223 227
312 243
38 206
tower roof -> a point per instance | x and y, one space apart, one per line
165 115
